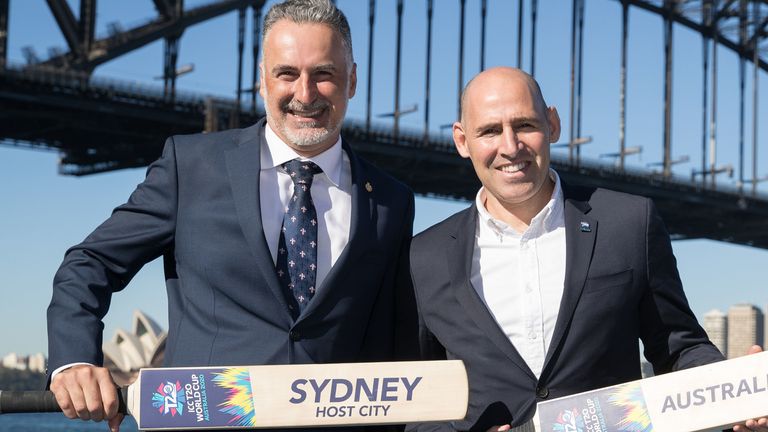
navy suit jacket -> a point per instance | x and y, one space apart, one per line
199 208
621 285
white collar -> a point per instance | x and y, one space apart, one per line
277 152
546 220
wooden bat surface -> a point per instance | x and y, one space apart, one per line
241 397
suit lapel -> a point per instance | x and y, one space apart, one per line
362 224
243 167
580 234
460 264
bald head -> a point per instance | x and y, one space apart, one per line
493 79
506 129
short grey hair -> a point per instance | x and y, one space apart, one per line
310 11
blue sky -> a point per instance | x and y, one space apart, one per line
44 213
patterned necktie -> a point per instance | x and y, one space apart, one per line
297 249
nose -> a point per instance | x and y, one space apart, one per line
509 145
306 90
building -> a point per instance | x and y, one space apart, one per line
127 352
745 328
34 362
13 361
716 325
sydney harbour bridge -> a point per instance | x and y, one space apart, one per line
57 101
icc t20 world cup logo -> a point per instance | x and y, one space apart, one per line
168 398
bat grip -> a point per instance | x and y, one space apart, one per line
43 401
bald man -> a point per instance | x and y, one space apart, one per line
541 287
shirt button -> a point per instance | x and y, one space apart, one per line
294 335
542 392
532 335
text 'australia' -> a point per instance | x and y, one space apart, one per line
715 393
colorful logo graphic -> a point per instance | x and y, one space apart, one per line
629 398
568 421
168 398
239 399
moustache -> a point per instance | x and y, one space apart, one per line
294 105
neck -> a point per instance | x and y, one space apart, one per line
519 215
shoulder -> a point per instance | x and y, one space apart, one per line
607 200
377 177
446 229
216 141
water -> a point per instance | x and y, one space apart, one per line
56 422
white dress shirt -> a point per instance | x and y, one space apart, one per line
520 276
331 193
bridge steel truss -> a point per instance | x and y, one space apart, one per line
101 125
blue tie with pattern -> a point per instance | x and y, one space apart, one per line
297 249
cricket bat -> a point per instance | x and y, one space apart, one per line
272 396
708 397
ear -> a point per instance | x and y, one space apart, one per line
352 80
460 140
262 86
554 124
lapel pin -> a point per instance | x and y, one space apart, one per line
584 227
368 187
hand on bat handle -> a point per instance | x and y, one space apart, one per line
88 392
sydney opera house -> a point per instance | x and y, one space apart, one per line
128 351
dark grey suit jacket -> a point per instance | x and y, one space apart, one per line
621 285
199 208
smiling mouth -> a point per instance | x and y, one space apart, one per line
513 168
307 114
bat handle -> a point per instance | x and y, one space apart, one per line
43 401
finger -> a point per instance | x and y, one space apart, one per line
754 349
762 424
86 393
114 422
753 425
64 400
93 402
102 396
79 405
68 388
108 394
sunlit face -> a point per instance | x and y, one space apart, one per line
306 82
506 132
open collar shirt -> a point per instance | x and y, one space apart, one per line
520 275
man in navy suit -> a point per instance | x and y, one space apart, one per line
216 207
543 288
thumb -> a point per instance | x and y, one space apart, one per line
114 422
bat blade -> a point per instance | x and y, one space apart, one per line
299 395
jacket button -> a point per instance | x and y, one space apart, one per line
542 392
294 335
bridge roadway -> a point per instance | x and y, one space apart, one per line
102 125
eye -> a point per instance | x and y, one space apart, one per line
489 131
286 75
323 75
